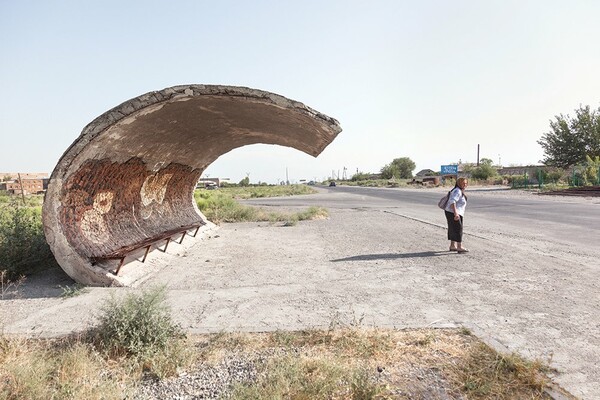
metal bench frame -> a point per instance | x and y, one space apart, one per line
123 252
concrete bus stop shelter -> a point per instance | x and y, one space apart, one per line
125 186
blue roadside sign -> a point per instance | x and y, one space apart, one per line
449 170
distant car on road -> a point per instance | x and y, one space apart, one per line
332 183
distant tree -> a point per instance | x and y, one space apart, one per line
245 182
399 168
570 140
485 170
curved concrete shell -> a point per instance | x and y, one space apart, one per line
129 177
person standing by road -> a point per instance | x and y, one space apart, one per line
455 211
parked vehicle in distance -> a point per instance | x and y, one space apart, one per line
332 183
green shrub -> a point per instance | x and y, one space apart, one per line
555 176
312 213
23 247
218 206
222 206
138 325
361 176
484 172
592 170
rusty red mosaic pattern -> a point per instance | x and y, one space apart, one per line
108 205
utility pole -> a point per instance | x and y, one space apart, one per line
478 155
22 191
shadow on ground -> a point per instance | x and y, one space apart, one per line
393 256
52 282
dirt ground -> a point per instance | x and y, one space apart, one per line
376 266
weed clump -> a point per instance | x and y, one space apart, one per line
138 325
139 330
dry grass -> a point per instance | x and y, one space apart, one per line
75 368
9 288
32 369
485 373
340 363
356 363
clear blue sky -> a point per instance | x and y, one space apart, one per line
427 80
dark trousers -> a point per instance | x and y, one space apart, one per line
455 228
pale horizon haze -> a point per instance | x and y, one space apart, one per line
428 80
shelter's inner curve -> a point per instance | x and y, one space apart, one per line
129 177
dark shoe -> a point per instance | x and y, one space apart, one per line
460 251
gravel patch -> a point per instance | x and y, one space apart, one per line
204 380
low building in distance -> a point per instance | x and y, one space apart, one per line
30 183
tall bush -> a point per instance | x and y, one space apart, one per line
23 247
485 170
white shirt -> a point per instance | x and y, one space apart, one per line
457 197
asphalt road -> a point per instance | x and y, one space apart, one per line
570 222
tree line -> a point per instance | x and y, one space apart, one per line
570 142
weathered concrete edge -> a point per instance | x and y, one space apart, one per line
131 106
